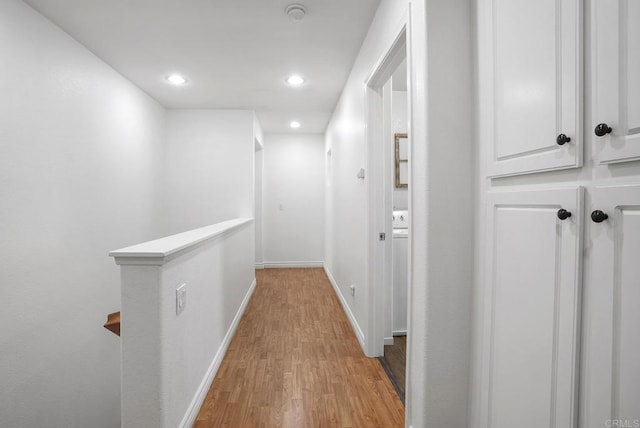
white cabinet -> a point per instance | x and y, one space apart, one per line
611 350
535 68
551 327
616 79
531 309
532 305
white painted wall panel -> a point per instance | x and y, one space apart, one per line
294 166
169 359
218 276
441 201
208 168
80 157
440 196
258 189
258 216
346 195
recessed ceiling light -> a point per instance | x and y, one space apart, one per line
295 124
295 80
176 79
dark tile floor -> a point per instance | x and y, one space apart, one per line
394 363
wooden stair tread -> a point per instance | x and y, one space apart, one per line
113 323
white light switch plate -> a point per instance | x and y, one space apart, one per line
181 298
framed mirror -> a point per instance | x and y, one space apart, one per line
402 161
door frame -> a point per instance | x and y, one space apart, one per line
379 263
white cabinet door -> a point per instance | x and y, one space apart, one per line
616 76
536 88
611 349
531 310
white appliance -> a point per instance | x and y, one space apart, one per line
400 269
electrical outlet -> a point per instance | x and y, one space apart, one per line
181 298
353 289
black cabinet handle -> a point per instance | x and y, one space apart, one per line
563 214
598 216
602 129
562 139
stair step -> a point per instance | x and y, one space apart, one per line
113 323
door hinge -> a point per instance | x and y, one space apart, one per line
383 236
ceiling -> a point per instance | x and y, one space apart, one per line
236 54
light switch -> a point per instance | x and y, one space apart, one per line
181 298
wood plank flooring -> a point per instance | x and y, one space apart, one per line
295 362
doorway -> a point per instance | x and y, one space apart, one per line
389 152
395 346
257 204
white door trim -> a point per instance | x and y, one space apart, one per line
379 186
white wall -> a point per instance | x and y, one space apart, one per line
346 195
169 360
258 189
209 162
399 125
441 198
442 177
294 200
258 216
80 155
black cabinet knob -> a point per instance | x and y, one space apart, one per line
562 139
563 214
598 216
602 129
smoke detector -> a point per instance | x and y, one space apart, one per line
296 12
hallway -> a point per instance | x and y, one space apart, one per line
295 362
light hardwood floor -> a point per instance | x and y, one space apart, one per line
295 362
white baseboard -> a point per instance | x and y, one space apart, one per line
259 265
272 265
194 407
352 319
399 332
388 341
